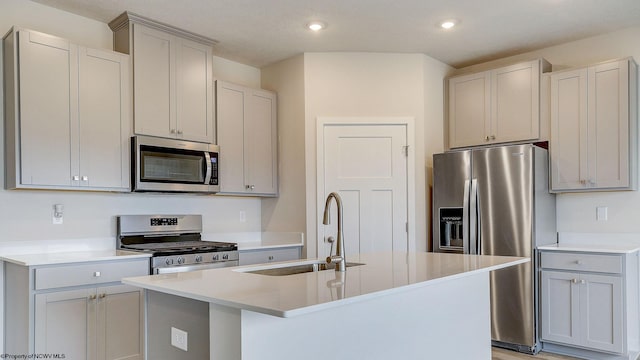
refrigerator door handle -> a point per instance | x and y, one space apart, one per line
465 218
474 219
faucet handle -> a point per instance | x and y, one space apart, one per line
335 259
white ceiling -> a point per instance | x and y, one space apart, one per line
261 32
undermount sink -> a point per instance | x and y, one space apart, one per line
298 269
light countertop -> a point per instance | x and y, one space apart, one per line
71 257
620 243
259 240
292 295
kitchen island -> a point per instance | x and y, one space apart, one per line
392 306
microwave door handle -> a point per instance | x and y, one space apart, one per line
465 218
207 176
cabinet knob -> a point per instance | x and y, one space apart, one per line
486 138
179 132
583 282
75 178
575 281
173 131
92 297
583 182
103 295
96 274
493 137
579 262
270 257
85 178
250 187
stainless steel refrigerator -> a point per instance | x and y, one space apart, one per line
496 201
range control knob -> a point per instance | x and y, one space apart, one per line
199 258
169 261
225 256
180 260
215 257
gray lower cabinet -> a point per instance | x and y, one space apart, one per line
249 257
77 310
586 299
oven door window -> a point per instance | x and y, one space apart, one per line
172 165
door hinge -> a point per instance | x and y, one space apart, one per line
406 150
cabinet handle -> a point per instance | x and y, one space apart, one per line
579 262
583 182
92 297
85 178
575 281
96 274
75 178
103 295
179 132
270 257
486 138
250 187
493 137
173 131
582 282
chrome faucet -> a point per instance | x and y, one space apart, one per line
338 258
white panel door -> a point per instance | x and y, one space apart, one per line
560 307
469 109
601 305
230 123
367 165
260 144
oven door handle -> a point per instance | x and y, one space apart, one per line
185 268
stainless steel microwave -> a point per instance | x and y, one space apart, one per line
169 165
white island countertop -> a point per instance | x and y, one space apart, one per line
292 295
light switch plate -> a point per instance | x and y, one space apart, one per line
179 338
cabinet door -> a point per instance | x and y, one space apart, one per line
153 82
64 323
120 323
194 103
515 108
568 133
608 130
104 119
469 109
560 307
230 134
260 145
48 92
601 306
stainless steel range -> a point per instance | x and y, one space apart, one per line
175 243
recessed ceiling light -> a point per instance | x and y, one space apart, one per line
448 24
316 25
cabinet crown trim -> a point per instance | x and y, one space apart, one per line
127 17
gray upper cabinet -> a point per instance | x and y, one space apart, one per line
496 106
67 114
593 113
247 136
172 78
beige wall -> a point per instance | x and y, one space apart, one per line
287 212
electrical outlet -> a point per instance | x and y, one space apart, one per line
601 213
179 338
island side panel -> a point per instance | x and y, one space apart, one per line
445 320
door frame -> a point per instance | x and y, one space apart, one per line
408 122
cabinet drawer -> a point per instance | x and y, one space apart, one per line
267 256
88 273
581 262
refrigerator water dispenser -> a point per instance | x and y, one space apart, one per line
451 234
